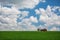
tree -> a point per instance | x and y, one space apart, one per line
42 29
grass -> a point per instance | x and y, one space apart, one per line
29 35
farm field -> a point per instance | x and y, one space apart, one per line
29 35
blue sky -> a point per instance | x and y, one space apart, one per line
28 15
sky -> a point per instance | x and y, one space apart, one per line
29 15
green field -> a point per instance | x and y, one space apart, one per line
29 35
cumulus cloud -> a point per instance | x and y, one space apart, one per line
26 24
23 14
8 17
22 3
48 16
26 3
33 19
54 29
55 8
8 20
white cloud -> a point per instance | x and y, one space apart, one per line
37 11
56 7
44 12
44 18
22 3
26 3
33 19
8 20
48 16
43 1
54 29
8 17
24 14
26 25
